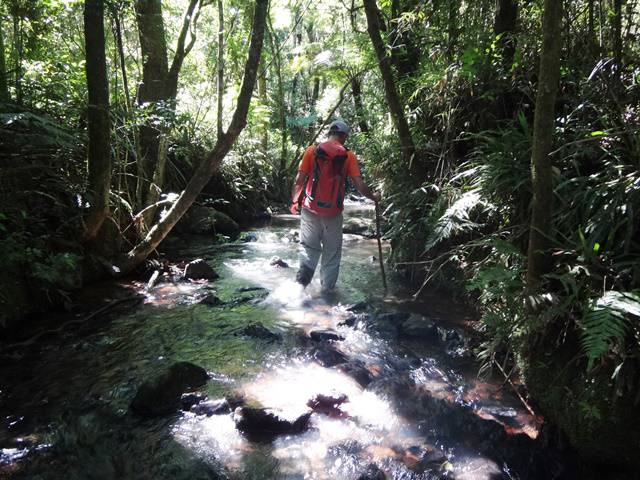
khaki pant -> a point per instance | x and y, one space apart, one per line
320 236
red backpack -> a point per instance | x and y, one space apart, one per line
325 188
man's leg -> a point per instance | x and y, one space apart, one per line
331 251
310 237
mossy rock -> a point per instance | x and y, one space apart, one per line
202 220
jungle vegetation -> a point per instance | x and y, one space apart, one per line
504 135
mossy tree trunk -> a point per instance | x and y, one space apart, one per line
538 256
393 99
210 164
98 118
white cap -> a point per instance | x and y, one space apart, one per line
339 126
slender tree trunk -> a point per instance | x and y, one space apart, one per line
505 24
452 29
356 91
393 99
17 52
123 63
220 83
539 260
616 22
157 93
4 85
282 112
262 93
207 168
98 118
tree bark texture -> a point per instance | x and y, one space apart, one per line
220 82
98 117
4 84
505 24
157 92
391 93
539 259
356 92
210 164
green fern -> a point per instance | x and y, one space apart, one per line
606 323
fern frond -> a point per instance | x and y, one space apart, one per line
606 322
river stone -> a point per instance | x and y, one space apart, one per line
201 220
257 330
211 300
211 407
328 404
266 424
198 269
372 472
419 327
324 336
388 324
328 356
188 400
358 226
358 371
248 237
162 395
278 262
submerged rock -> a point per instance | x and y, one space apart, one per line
278 262
372 472
328 356
257 330
198 269
211 407
162 395
266 424
419 327
328 405
358 371
211 300
188 400
324 336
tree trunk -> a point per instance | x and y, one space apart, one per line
356 91
262 93
157 93
220 83
616 21
4 85
539 260
17 52
98 118
505 25
210 164
391 93
123 63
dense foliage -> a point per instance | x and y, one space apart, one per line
458 216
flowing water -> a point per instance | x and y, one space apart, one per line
414 407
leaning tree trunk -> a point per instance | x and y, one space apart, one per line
393 100
98 118
504 26
210 164
538 257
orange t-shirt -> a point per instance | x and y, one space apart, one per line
306 165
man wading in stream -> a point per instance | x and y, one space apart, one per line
324 170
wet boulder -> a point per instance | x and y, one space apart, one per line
188 400
324 336
418 327
388 324
266 424
328 356
203 220
248 237
162 395
372 472
328 405
257 330
278 262
211 407
358 226
358 371
198 269
422 458
211 300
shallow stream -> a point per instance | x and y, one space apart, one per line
415 408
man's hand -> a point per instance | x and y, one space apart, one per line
376 196
364 189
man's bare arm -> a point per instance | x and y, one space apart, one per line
300 180
364 189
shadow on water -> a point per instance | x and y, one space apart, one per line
410 409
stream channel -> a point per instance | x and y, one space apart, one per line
411 405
